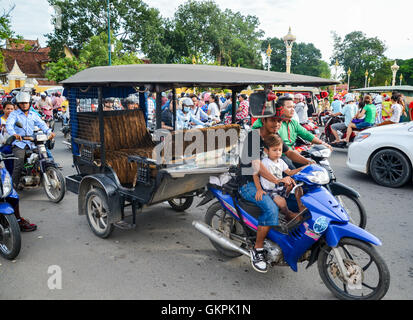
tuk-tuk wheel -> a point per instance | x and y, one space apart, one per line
181 204
98 212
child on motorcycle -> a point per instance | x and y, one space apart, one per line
274 164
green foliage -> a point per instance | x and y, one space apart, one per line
202 29
406 69
95 52
63 69
137 26
305 58
359 53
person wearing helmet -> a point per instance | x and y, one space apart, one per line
29 119
336 105
349 111
185 118
45 106
251 164
301 108
132 102
377 102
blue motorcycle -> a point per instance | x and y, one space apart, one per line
10 239
347 260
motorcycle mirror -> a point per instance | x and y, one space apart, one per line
10 140
19 124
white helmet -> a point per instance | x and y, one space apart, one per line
348 98
23 97
378 99
187 101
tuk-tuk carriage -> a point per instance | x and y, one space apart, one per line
119 164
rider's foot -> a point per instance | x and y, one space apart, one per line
26 226
258 260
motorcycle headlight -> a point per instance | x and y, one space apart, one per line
324 153
7 185
319 177
41 137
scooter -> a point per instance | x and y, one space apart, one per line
10 239
345 254
328 136
39 168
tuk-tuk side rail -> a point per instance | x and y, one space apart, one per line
87 149
144 166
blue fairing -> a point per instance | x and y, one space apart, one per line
6 208
336 231
316 200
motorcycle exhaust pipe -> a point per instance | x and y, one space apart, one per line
218 237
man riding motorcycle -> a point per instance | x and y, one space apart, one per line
252 152
29 120
291 129
185 118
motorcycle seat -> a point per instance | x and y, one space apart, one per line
250 207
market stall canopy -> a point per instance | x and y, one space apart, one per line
167 76
386 89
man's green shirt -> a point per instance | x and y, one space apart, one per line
289 132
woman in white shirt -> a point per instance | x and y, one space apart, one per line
213 109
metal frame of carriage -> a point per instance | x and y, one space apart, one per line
97 183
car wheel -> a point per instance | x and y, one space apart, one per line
390 168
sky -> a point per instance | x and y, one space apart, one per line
311 21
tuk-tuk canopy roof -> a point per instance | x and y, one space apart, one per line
167 76
386 89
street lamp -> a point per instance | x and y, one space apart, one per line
289 41
269 50
348 79
394 69
401 79
365 80
109 46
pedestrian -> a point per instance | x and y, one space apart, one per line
213 109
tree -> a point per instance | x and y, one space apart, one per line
359 53
305 58
95 52
63 69
203 30
406 69
6 32
137 26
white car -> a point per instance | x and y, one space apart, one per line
385 153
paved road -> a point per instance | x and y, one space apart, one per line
165 258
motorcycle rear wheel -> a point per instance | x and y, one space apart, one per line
215 217
57 190
359 257
10 238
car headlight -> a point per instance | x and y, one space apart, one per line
7 185
319 177
361 136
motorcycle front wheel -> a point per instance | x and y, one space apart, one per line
369 277
10 239
56 190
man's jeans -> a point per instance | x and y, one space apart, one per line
18 164
269 215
